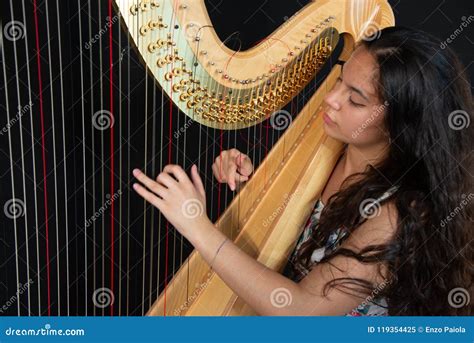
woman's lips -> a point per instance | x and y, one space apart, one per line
327 119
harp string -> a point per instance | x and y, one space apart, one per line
127 276
88 235
43 151
12 177
101 168
53 131
112 159
119 15
64 161
84 185
33 152
22 168
145 204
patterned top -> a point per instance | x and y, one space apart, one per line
377 306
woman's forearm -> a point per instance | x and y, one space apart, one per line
259 286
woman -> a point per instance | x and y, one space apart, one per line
402 106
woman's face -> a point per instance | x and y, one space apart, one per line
355 110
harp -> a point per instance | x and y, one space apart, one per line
118 259
291 176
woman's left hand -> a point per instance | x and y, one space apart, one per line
182 201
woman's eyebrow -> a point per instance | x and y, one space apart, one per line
357 90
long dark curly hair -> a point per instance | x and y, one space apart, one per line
430 159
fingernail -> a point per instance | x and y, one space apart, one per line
135 186
136 171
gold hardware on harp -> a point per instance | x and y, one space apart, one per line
277 82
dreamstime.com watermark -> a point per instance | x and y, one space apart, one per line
103 120
369 208
182 129
192 208
281 297
279 209
459 297
280 120
14 208
375 293
46 331
14 30
464 24
102 31
103 208
199 288
14 298
103 297
466 200
377 111
21 111
458 120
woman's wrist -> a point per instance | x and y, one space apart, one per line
207 240
203 229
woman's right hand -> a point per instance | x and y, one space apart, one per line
232 167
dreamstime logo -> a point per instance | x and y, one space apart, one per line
459 297
365 29
459 120
281 297
14 30
369 208
371 32
103 297
280 119
103 120
14 208
465 23
193 31
267 52
192 208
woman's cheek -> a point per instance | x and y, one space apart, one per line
357 129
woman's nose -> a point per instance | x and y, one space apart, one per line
332 99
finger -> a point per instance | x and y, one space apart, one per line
197 180
166 180
217 173
245 165
231 174
149 183
240 178
178 172
220 162
148 196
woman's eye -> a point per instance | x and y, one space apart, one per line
355 103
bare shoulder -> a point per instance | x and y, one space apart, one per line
379 228
376 230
